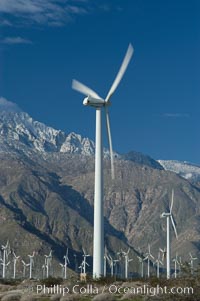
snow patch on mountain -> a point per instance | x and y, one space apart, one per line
185 169
18 131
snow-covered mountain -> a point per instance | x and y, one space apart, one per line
185 169
18 131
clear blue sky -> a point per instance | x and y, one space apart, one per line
155 110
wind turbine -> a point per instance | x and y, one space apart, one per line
148 256
127 260
24 267
95 101
6 252
158 262
47 263
164 252
63 269
115 265
180 264
31 263
84 261
169 217
141 260
65 264
192 263
105 260
175 260
15 259
111 264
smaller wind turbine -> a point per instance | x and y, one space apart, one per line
148 256
15 259
127 260
175 260
65 264
192 263
169 217
25 265
115 261
158 262
81 267
48 260
164 252
31 264
84 261
105 261
180 264
141 261
111 264
63 269
6 253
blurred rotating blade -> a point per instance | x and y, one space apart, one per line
172 202
110 143
173 224
121 72
76 85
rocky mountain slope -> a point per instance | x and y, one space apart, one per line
47 188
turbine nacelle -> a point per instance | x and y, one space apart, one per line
164 214
93 102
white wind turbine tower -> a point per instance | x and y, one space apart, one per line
15 259
148 256
111 264
175 260
81 267
6 252
158 262
105 260
180 264
84 261
127 260
25 265
48 259
31 263
169 217
95 101
141 261
192 263
115 265
65 264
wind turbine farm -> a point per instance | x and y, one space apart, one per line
99 199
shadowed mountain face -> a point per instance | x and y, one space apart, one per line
47 191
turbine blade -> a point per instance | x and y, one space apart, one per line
173 224
121 72
76 85
110 143
172 201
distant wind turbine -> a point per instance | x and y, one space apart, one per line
127 260
192 263
84 261
95 101
15 259
175 260
25 265
6 253
169 217
158 262
148 256
31 263
66 258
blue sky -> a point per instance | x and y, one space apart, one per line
44 44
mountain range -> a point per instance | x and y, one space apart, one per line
46 194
